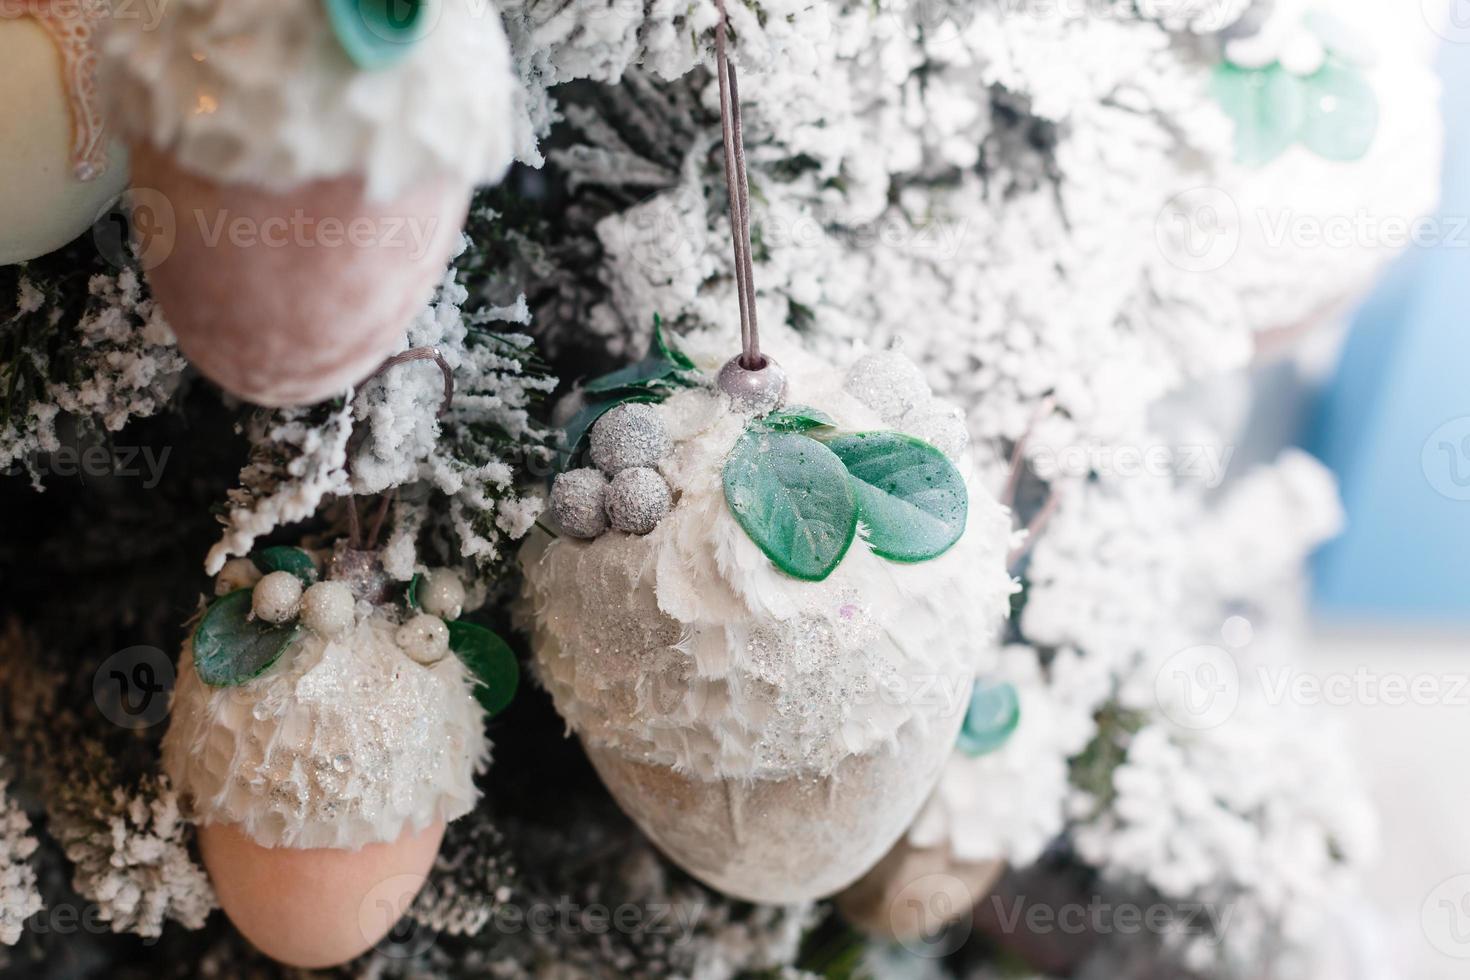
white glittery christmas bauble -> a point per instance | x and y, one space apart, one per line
277 597
442 594
57 171
302 220
774 737
637 499
328 609
425 638
888 383
578 502
631 435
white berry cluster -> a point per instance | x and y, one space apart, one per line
625 490
329 608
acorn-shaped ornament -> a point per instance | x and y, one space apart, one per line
322 735
59 170
306 167
769 674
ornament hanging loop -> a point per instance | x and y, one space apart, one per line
751 379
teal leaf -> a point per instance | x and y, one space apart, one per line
651 372
792 496
286 559
231 647
377 34
1268 106
910 496
666 349
1341 113
797 418
575 433
490 660
992 718
411 594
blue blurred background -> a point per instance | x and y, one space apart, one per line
1393 421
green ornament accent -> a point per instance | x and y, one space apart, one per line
667 349
1341 113
1268 105
411 594
286 559
231 647
490 660
994 714
792 496
378 34
797 418
910 496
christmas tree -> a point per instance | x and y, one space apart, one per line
331 516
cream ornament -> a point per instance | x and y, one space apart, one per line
321 759
773 736
58 172
302 207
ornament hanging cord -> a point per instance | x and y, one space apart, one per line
738 183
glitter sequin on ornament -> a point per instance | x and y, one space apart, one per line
637 500
277 597
628 436
577 502
888 383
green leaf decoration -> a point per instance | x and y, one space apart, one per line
1341 117
994 714
797 418
793 497
411 594
1268 106
910 496
231 648
378 34
576 431
650 373
285 559
667 350
490 660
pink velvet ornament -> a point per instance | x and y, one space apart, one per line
289 299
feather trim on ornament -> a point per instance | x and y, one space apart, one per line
349 728
262 92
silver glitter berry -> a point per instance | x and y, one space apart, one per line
277 597
756 392
637 500
888 383
628 436
578 502
941 427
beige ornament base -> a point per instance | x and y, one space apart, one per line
288 299
316 908
914 893
786 840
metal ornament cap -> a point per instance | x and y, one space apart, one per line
756 391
